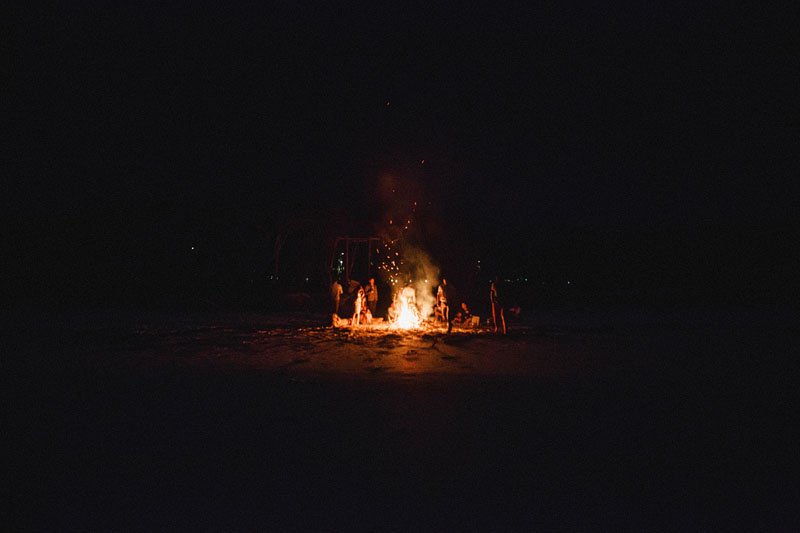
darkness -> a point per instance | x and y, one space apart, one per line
173 177
550 136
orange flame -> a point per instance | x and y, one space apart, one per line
408 317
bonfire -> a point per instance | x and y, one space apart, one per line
408 314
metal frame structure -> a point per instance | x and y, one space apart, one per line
351 246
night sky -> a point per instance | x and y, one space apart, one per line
132 132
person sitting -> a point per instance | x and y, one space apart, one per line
339 322
366 316
463 317
465 312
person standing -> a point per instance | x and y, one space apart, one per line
441 301
359 305
372 296
497 306
336 295
409 296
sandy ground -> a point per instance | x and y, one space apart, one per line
365 351
622 421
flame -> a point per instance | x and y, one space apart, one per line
408 317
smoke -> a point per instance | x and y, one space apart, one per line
423 275
407 218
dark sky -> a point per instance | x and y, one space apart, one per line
578 114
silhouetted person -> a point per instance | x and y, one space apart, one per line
336 295
409 295
441 302
497 306
372 296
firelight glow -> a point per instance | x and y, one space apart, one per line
408 317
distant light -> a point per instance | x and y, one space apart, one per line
192 247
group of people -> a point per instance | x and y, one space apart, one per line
366 301
464 316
